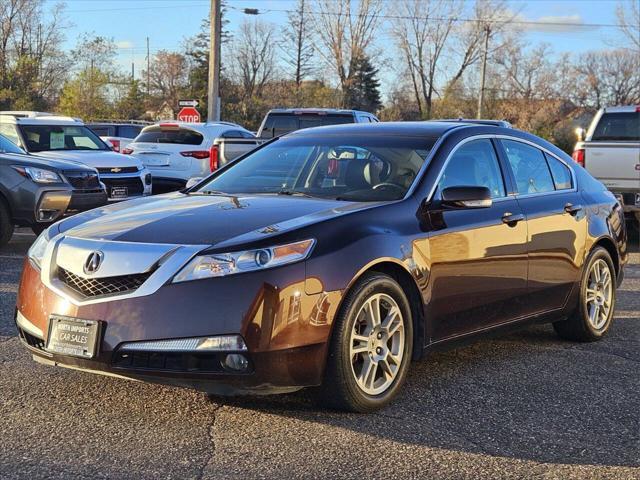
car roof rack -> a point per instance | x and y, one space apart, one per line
494 123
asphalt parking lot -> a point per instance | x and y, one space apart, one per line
525 405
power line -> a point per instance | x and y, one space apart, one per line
255 11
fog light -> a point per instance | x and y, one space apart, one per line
236 361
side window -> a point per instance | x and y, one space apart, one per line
475 164
529 167
560 172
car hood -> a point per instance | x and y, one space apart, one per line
39 162
93 158
217 220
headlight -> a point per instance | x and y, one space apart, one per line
36 251
39 175
221 264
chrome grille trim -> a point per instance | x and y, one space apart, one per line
95 287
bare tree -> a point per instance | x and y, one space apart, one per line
168 77
526 75
609 77
346 32
421 29
296 43
253 54
628 14
490 17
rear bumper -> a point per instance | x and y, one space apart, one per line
285 330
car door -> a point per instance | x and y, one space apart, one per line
557 226
478 256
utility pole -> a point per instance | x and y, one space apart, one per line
213 93
148 66
487 32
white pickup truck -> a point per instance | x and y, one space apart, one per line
610 151
176 152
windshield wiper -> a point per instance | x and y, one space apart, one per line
286 191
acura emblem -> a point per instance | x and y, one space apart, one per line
93 262
116 170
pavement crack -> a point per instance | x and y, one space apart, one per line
211 437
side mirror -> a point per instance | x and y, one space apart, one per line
580 134
466 197
192 181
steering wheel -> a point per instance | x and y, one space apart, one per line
389 184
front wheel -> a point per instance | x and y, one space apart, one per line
371 346
593 316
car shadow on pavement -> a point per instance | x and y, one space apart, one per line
528 396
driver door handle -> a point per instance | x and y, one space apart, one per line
572 209
512 219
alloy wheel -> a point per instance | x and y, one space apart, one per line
377 344
599 294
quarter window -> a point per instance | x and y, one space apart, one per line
560 172
475 164
529 168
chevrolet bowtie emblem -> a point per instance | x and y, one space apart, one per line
116 170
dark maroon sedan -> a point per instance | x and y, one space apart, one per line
331 258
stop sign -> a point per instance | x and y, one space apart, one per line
189 114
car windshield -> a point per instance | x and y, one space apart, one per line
344 168
42 138
7 146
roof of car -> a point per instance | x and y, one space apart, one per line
432 129
328 111
622 109
31 117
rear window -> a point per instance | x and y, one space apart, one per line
623 126
103 130
180 136
128 131
278 124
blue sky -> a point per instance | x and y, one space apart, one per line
168 22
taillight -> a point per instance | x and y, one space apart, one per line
115 144
578 156
199 154
213 157
127 151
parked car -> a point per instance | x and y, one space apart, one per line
610 151
330 257
65 138
117 134
35 192
280 121
177 151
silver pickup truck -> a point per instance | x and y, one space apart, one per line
610 151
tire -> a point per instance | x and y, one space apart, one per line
579 327
6 225
380 352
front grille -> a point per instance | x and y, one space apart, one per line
134 184
118 170
169 361
31 340
83 180
93 287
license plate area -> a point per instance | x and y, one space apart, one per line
119 192
73 336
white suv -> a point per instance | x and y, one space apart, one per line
66 138
610 151
176 152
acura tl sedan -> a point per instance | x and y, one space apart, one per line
329 258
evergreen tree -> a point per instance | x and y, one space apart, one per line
363 88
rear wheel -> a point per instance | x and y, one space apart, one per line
371 347
594 313
6 225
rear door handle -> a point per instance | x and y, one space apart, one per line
511 219
572 209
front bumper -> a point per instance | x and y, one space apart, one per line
127 186
286 331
